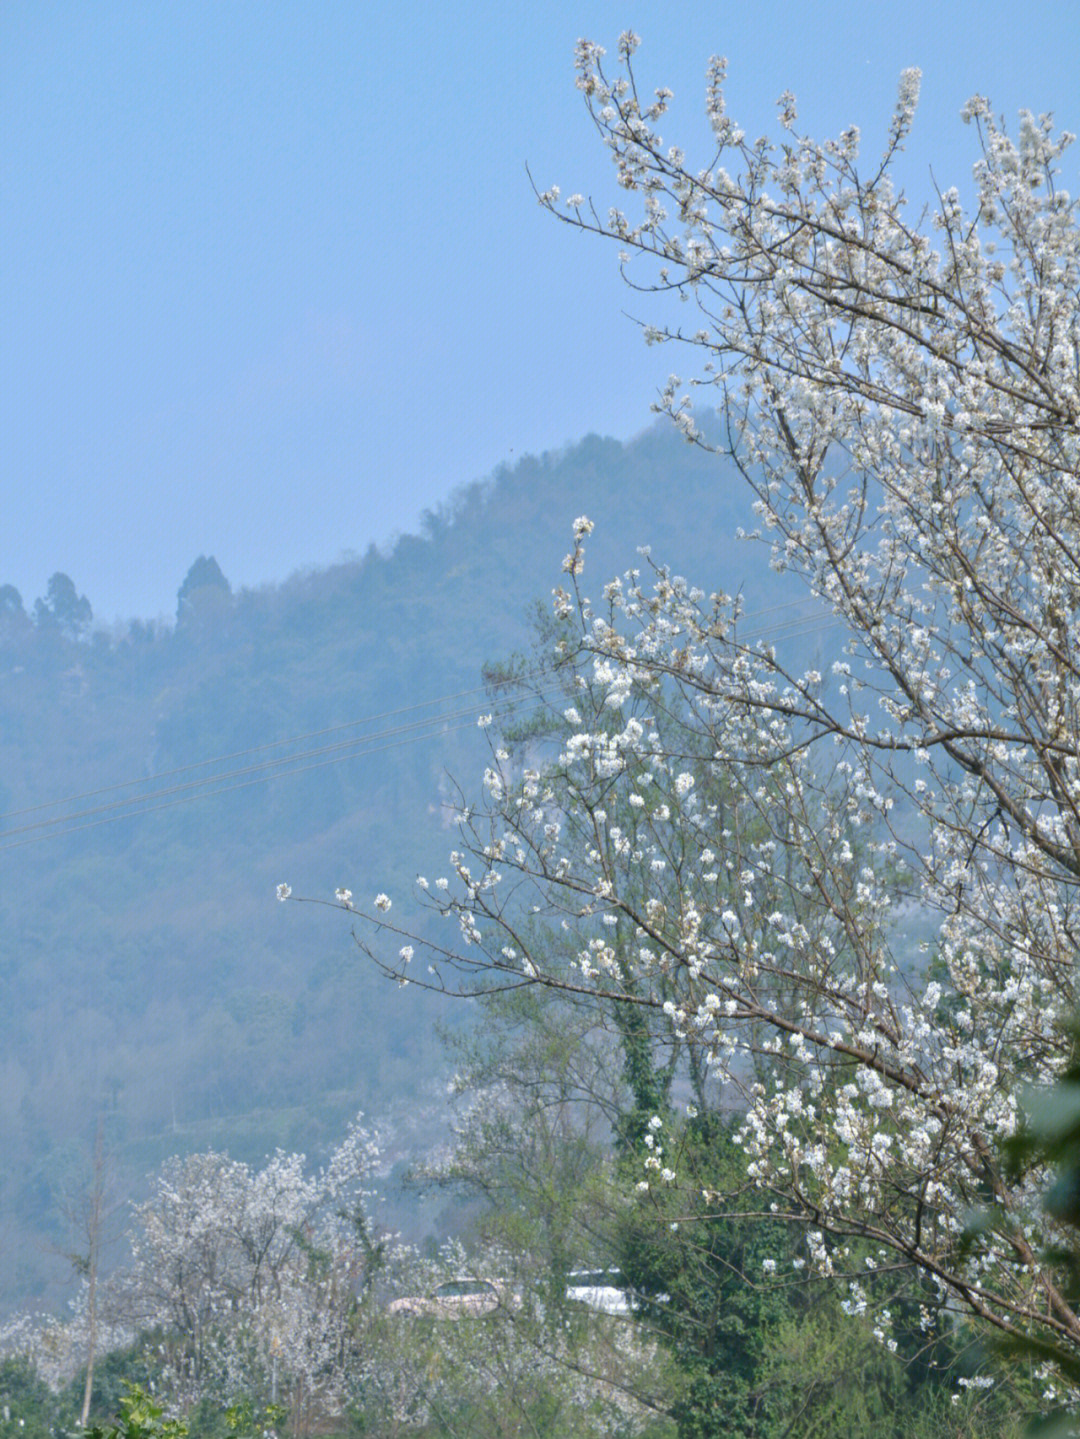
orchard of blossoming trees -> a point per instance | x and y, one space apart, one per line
847 894
265 1293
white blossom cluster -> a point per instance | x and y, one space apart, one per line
58 1348
254 1275
850 895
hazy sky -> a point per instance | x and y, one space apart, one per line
273 281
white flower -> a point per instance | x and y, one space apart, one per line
382 902
283 892
684 783
483 721
405 953
344 896
582 525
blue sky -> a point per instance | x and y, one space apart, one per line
272 279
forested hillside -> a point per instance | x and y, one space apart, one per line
148 976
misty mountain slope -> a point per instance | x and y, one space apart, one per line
146 971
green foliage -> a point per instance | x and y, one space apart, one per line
704 1284
825 1374
116 1373
755 1347
766 1351
139 1418
28 1409
531 1157
244 1419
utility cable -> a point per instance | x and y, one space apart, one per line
268 769
359 746
254 749
226 789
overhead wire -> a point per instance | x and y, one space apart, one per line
265 765
243 753
356 747
792 626
227 789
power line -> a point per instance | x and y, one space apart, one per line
243 753
227 789
356 747
789 627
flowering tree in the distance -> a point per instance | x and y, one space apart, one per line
255 1280
849 891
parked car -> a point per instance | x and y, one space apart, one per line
605 1291
457 1299
600 1289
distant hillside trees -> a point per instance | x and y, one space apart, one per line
204 589
11 604
14 621
63 608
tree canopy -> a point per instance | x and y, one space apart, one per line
63 608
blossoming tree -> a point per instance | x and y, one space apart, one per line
255 1279
850 891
